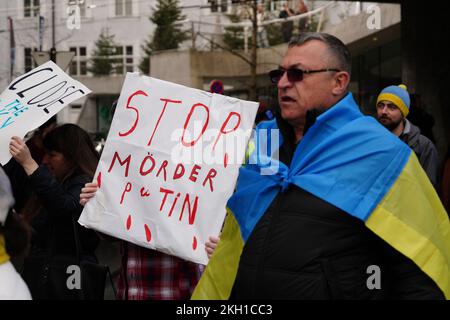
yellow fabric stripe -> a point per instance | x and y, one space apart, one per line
4 257
218 278
396 100
250 148
411 218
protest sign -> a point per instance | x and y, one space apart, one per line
169 165
32 99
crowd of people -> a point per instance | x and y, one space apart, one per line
287 27
348 195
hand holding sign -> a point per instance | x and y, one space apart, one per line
19 150
169 165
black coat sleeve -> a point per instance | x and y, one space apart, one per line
56 198
19 183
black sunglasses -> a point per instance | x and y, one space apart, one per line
294 75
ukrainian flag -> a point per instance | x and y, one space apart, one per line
352 162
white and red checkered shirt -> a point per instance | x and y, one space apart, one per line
151 275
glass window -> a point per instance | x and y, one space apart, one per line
31 8
373 70
128 7
224 5
218 5
124 7
129 59
83 68
123 59
78 66
119 51
73 64
119 7
27 8
214 6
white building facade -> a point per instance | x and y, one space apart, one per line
27 26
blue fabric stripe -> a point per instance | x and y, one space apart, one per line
346 159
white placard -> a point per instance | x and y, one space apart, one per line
33 98
169 165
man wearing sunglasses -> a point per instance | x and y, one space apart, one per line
338 212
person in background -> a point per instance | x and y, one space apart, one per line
69 162
288 26
393 104
22 190
304 22
14 239
262 39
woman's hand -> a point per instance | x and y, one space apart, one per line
20 152
88 192
211 245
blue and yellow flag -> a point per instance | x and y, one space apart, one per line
352 162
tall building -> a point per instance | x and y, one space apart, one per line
30 24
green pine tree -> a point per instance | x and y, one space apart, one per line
102 63
144 65
168 34
234 36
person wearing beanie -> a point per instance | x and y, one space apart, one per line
392 109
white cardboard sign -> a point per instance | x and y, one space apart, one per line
32 99
169 165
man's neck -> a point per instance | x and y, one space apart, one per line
399 129
298 131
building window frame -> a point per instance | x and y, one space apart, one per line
123 8
78 66
124 58
31 8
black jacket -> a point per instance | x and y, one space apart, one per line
305 248
53 226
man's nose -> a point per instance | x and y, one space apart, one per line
284 82
385 109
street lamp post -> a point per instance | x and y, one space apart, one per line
53 49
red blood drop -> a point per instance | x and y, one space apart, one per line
129 222
194 244
148 234
99 179
225 160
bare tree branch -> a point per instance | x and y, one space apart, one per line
227 49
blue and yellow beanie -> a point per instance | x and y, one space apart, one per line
398 95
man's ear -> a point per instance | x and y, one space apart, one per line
341 81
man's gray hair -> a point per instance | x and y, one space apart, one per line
336 47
